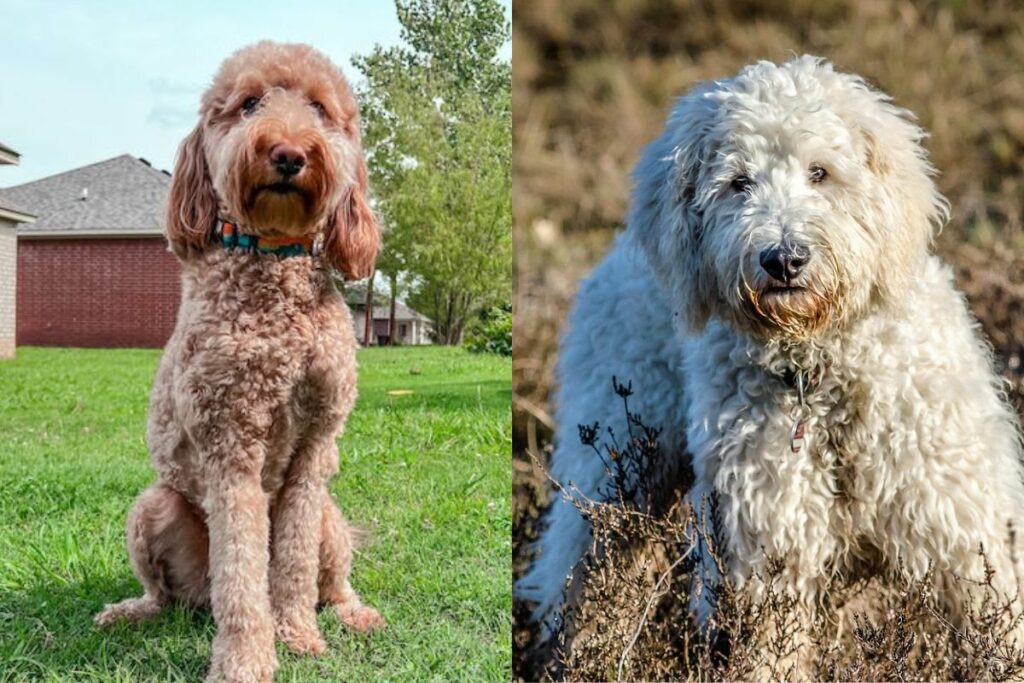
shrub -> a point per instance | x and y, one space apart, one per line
492 331
629 618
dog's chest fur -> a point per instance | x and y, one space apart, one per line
265 346
814 503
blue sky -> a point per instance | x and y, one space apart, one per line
86 81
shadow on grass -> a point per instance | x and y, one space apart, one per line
49 632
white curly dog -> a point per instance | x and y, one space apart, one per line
774 303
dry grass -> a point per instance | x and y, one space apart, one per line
592 84
628 617
594 80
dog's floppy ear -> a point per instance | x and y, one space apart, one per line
352 239
192 202
911 208
664 216
894 153
892 144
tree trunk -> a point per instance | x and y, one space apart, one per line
448 322
368 327
391 315
450 311
458 322
457 311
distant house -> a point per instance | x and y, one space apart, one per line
411 327
11 214
94 269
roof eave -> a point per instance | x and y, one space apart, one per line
16 216
9 156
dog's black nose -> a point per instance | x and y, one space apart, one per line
785 263
287 159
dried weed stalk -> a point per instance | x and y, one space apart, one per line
628 613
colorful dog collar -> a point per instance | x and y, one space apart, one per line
230 238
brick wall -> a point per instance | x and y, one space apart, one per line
96 292
8 283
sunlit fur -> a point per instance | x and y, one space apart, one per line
224 166
912 455
703 238
259 375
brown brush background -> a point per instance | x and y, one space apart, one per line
594 80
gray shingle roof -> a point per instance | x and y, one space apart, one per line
11 206
125 195
8 206
355 297
402 311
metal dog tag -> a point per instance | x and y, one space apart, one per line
796 435
797 440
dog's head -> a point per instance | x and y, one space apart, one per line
277 149
785 201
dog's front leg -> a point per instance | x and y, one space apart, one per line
738 587
295 561
237 518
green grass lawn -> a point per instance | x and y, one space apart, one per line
427 474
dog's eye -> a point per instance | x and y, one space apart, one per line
741 183
250 104
816 173
321 110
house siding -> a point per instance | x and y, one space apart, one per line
103 292
8 287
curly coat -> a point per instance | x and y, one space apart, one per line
259 375
903 456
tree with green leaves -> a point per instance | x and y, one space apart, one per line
437 117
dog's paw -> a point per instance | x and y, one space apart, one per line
243 658
302 636
108 617
132 610
361 618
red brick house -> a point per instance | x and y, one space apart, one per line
94 269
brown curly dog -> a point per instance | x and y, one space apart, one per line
255 384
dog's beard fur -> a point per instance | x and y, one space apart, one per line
820 299
258 197
818 304
794 315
